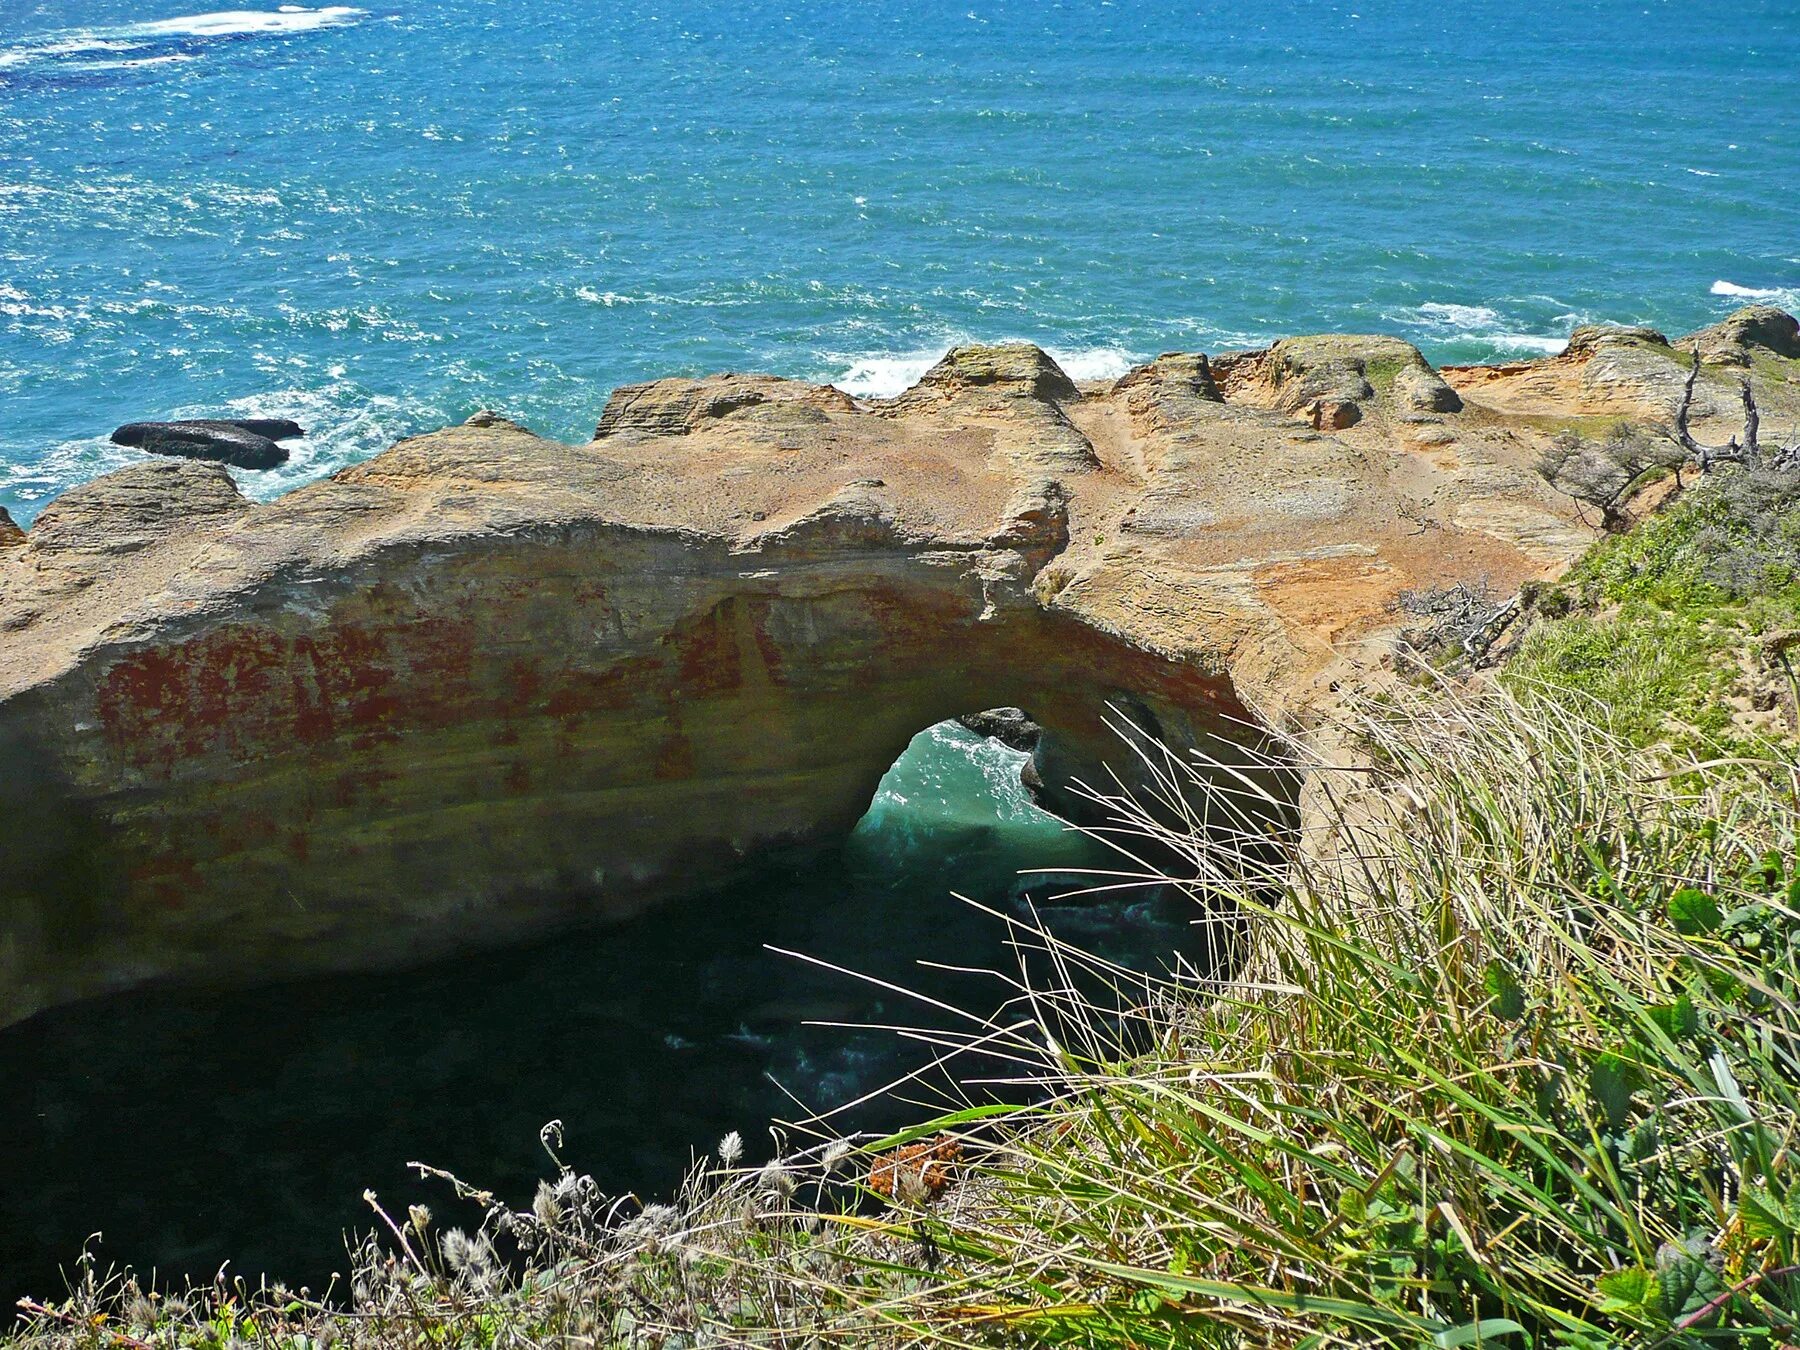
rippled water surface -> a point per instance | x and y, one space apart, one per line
380 217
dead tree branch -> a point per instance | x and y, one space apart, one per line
1463 617
1732 452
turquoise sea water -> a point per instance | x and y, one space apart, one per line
378 218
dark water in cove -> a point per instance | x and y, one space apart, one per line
195 1127
378 217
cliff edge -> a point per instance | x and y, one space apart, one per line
486 682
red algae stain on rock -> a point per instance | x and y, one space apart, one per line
160 707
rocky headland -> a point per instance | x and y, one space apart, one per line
487 682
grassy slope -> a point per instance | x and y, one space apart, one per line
1669 626
1516 1063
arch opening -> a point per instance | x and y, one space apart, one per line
651 1036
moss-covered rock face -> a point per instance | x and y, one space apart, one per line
486 682
1739 339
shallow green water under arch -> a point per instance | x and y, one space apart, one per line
192 1127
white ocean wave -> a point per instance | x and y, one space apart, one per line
1786 297
135 62
888 374
49 472
124 39
607 298
1527 342
1479 324
1093 363
1467 317
345 424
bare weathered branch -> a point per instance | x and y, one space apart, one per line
1464 616
1752 452
1749 451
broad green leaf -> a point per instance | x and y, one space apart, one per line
1694 913
1473 1333
1632 1289
1612 1080
1506 991
1686 1279
1678 1020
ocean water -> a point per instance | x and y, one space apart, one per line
378 218
193 1127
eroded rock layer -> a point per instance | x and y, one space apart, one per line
487 682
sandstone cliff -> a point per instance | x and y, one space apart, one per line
485 681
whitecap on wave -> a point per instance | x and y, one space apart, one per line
888 374
1483 326
1785 297
345 424
91 48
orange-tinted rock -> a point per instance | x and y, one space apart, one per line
1334 414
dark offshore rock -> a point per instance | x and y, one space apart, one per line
1010 726
10 533
247 443
240 449
275 428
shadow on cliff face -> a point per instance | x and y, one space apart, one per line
453 747
192 1126
58 890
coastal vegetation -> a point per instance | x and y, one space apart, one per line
1510 1056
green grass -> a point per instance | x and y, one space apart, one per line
1381 374
1513 1060
1661 626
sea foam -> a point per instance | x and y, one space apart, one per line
1788 297
1481 324
229 23
888 374
85 44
